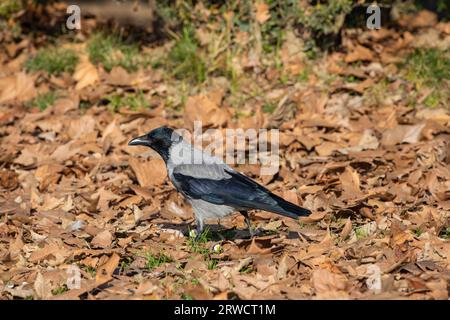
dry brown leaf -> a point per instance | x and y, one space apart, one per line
359 87
329 285
85 74
8 179
313 217
48 174
350 184
103 239
149 173
205 108
423 18
42 287
359 53
327 148
262 12
18 88
402 134
346 230
105 271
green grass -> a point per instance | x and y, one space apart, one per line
54 61
110 51
186 296
303 76
196 244
184 59
429 68
134 101
60 290
445 233
9 7
156 260
269 107
91 270
42 101
417 232
212 264
377 93
324 19
361 233
247 269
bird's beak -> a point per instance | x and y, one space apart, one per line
139 141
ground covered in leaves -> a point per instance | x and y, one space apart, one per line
364 143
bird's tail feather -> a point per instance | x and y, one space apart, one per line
288 209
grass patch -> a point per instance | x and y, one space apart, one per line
247 269
60 290
269 107
9 7
376 94
417 232
303 76
361 233
133 101
186 296
184 59
212 264
196 244
429 68
54 61
91 270
110 51
156 260
324 20
43 101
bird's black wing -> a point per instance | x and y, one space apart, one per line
232 189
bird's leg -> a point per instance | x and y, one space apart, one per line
199 229
248 222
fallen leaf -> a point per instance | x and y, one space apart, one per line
103 239
359 53
262 12
329 285
205 108
18 88
313 217
346 230
402 134
149 173
85 74
350 182
105 271
42 287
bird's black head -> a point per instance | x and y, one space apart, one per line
159 139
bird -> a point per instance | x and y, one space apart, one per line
213 188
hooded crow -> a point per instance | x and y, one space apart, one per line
212 187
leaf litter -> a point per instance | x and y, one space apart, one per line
376 177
